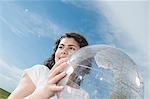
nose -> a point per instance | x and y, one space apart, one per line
64 51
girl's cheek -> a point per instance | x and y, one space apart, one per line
56 57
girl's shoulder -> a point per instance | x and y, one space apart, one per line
37 68
37 72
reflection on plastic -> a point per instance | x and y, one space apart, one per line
104 72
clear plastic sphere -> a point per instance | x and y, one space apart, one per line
104 72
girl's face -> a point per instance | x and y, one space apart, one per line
67 46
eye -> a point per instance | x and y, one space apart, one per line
60 47
72 48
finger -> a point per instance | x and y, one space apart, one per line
58 77
58 63
57 88
57 70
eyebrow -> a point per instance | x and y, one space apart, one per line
68 45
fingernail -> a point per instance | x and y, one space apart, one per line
64 72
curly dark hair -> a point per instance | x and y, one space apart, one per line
76 36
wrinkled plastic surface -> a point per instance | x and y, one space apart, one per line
105 72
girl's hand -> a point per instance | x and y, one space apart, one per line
55 75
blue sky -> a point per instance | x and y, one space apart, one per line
28 30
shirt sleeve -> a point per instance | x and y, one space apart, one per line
35 72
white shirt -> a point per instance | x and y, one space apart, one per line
39 75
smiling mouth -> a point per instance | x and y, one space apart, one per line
61 57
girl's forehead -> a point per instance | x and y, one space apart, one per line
68 41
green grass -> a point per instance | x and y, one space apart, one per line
3 94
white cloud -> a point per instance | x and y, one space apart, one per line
85 4
129 21
25 23
7 83
9 75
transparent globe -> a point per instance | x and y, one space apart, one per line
104 72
